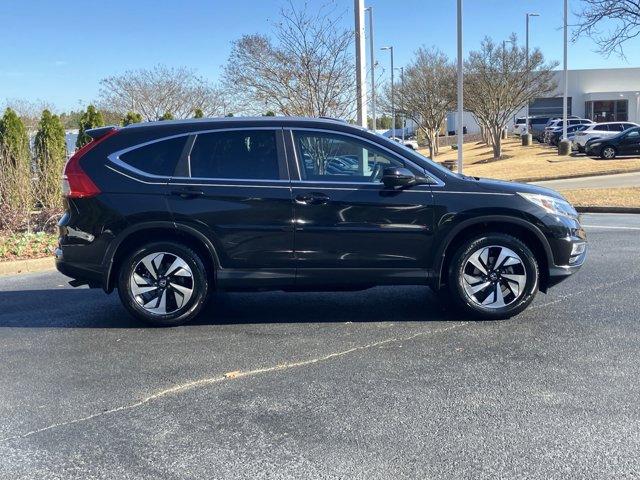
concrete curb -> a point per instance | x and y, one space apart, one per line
594 209
15 267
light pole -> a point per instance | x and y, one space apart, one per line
404 121
361 85
393 105
372 60
526 112
460 83
564 147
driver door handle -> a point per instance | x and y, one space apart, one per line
312 198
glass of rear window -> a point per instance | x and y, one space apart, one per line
158 158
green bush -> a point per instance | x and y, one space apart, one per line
92 118
50 150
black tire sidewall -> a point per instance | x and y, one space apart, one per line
456 288
195 303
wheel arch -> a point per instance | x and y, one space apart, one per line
519 228
158 231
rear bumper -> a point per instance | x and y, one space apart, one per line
83 274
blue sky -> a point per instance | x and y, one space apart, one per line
58 51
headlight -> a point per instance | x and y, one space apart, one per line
551 204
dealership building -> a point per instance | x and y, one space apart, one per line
602 95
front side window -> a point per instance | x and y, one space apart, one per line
158 158
241 154
332 157
633 134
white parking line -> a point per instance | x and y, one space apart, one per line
612 227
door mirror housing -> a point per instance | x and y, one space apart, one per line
398 177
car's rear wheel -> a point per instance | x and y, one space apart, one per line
493 276
163 283
608 152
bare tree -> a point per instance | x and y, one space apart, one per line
622 15
427 94
152 92
307 69
498 82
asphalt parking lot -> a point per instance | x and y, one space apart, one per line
373 384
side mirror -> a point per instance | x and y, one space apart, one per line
397 177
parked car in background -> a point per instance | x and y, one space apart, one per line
520 126
411 143
167 212
555 135
600 130
559 123
625 143
536 127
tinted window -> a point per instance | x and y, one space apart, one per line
616 127
633 134
340 158
157 158
247 154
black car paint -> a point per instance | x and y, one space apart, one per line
264 234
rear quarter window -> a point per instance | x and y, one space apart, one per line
158 158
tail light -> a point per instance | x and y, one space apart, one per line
75 182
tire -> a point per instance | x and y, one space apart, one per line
161 299
608 152
489 302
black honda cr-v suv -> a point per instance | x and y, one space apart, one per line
166 212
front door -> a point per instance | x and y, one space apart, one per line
630 144
233 186
347 224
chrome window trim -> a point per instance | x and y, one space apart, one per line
439 182
115 157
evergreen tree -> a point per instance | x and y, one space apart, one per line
92 118
198 113
166 116
50 149
131 117
270 113
15 172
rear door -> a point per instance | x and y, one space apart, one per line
233 187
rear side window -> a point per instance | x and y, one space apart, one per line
158 158
243 154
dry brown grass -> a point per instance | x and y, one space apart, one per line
603 197
537 162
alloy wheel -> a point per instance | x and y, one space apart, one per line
494 277
161 283
608 152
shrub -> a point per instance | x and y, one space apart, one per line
50 150
92 118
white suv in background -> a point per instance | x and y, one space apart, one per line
600 130
520 126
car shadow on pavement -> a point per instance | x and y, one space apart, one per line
84 308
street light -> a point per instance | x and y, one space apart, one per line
526 115
372 60
404 120
460 83
564 147
393 105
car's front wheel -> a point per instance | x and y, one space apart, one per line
493 276
163 283
608 152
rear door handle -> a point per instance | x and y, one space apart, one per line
187 193
312 198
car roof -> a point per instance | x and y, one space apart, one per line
217 122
